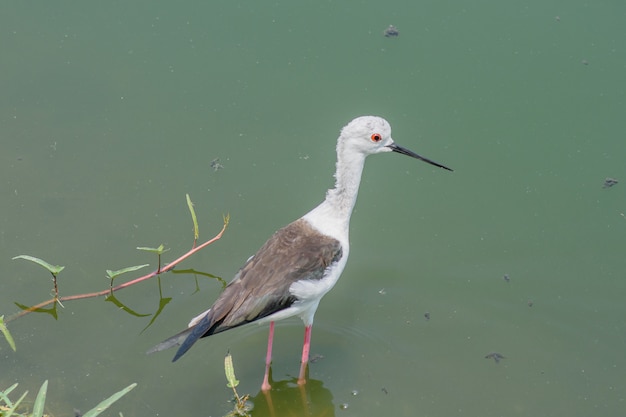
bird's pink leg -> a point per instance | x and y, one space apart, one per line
268 359
306 348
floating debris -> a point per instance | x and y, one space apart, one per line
609 182
495 356
427 315
391 32
215 164
316 358
384 390
506 277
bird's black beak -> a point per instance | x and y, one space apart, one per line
405 151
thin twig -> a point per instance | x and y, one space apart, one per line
108 291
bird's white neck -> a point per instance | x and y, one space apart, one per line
332 216
347 180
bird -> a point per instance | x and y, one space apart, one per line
301 262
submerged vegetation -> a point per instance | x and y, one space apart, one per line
113 274
9 408
16 407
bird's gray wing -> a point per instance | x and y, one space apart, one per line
261 287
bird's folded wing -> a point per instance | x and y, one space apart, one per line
261 288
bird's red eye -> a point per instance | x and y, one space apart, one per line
376 137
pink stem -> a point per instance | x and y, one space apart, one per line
108 291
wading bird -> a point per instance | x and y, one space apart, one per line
302 261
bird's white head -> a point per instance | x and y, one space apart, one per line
363 136
369 135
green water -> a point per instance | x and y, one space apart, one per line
112 111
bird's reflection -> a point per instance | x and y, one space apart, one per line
288 398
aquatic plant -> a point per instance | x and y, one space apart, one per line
9 408
55 270
241 402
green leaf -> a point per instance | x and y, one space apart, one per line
229 369
40 400
107 403
196 231
54 269
3 394
114 274
160 250
7 334
13 407
221 280
52 310
113 299
162 303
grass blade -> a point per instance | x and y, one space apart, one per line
13 407
40 400
4 394
7 334
196 231
107 403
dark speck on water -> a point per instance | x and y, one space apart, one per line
215 164
609 182
495 356
391 32
427 315
316 358
506 277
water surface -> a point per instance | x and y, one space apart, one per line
112 112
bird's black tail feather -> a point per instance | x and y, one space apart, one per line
191 336
175 340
